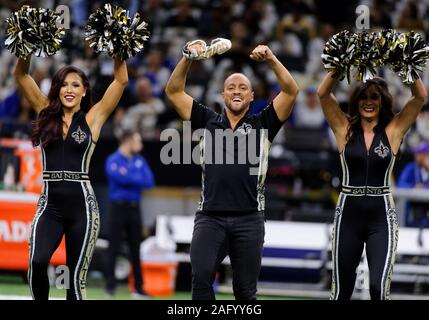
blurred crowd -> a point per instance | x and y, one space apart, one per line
296 31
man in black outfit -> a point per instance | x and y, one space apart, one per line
230 216
128 174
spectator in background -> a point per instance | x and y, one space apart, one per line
217 17
297 22
80 9
134 64
197 79
15 5
155 71
380 15
16 115
294 31
416 173
181 22
420 130
242 43
263 14
410 18
283 7
308 113
154 14
261 97
314 68
128 174
143 116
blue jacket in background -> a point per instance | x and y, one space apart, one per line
411 175
9 108
127 177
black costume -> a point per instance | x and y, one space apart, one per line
365 214
67 206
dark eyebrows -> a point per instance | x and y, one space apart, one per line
371 95
233 85
73 82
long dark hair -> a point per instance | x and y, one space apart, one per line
386 111
49 124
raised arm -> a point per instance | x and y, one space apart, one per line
28 86
175 89
284 101
99 113
403 120
336 118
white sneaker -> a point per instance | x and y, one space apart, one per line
217 46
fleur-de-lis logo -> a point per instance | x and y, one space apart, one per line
382 151
79 136
245 128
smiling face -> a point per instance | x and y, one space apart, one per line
237 93
72 90
369 103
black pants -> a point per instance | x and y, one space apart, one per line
124 221
215 236
70 209
359 221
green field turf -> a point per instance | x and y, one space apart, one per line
14 285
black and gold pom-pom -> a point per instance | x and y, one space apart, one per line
366 56
21 36
406 53
33 30
338 54
110 29
48 33
388 46
411 54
